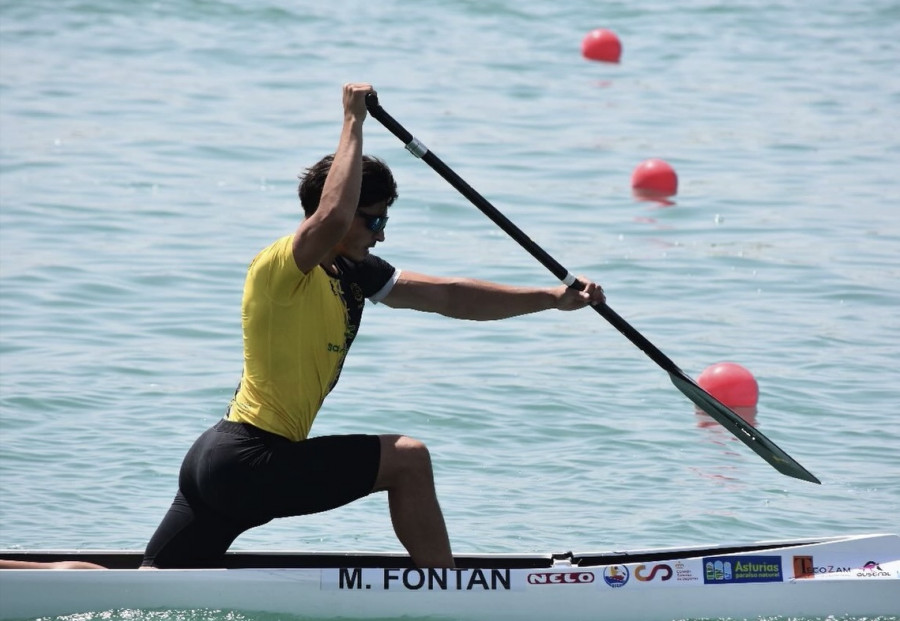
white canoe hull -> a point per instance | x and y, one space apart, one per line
857 576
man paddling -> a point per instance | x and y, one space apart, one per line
302 304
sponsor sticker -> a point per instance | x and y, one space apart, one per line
688 572
873 569
806 567
560 577
803 567
680 573
741 569
647 573
616 576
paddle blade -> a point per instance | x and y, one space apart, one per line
742 430
732 422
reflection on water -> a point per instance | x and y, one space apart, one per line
704 420
662 199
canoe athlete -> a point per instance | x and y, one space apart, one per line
301 309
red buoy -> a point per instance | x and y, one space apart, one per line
731 384
654 178
602 45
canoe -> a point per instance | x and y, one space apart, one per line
856 575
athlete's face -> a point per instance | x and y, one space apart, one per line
360 238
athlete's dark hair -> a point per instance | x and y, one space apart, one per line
377 183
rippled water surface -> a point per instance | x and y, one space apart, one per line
149 150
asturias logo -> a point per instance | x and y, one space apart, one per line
733 569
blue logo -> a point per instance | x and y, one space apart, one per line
737 569
616 575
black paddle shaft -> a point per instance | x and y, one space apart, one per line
741 429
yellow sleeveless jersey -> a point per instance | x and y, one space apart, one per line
297 330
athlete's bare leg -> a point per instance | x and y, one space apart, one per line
405 472
4 564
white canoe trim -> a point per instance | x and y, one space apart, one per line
848 575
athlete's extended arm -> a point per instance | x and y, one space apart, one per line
318 234
465 298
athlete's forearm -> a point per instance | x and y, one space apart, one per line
340 194
484 301
466 298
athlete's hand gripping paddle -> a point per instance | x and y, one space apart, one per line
741 429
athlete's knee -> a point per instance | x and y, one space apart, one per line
403 459
413 453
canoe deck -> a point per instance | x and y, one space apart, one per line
131 559
850 575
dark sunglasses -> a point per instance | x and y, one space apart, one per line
375 224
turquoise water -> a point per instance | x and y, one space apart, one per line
148 151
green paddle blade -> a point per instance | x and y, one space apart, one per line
741 429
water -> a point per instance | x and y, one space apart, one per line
148 151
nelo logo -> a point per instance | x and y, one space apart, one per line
561 577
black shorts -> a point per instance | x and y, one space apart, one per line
236 477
